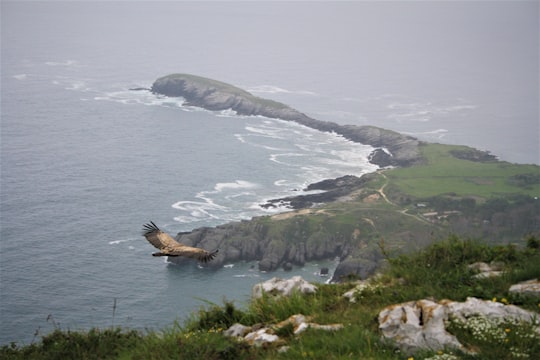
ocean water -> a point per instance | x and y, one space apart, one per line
85 161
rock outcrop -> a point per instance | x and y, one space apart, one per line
485 270
283 287
529 288
259 336
392 148
422 324
333 189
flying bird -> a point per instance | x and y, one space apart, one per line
170 247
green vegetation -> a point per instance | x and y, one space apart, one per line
444 173
439 271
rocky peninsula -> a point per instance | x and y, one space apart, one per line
391 148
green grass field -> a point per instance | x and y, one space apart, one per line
443 173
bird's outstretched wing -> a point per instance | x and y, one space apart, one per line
170 247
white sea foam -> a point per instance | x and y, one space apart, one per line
227 113
240 137
275 157
424 111
116 242
238 184
234 196
197 206
61 63
303 155
437 133
271 89
267 131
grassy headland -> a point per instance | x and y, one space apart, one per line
453 190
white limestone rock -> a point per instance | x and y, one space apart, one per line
421 324
261 337
490 309
277 286
417 325
529 287
237 330
267 335
485 270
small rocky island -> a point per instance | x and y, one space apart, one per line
391 148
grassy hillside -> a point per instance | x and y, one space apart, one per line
439 271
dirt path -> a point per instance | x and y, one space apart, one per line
381 189
403 211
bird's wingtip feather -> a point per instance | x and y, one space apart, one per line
149 228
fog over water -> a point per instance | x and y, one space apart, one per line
85 161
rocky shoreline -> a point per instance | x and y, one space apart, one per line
255 239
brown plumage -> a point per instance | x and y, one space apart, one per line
170 247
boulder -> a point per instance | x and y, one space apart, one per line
491 309
529 287
261 337
237 330
354 268
269 263
418 325
484 270
258 336
277 286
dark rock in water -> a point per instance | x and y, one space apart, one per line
357 268
380 157
269 263
324 271
287 266
333 190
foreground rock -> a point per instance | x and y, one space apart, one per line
260 336
421 324
283 287
485 270
529 287
392 148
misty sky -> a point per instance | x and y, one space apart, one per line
483 54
